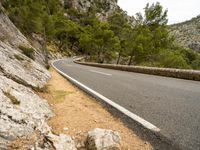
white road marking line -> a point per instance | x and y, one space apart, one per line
107 74
133 116
69 65
66 64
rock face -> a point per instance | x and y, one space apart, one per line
100 139
21 118
188 33
104 7
20 68
22 112
195 46
10 34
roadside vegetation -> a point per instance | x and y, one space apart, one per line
29 52
147 43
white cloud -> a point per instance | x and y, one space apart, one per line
178 10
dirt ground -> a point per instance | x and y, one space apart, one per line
77 112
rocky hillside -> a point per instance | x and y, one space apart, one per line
24 114
104 8
188 33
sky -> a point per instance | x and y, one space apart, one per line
178 10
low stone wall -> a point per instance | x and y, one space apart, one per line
168 72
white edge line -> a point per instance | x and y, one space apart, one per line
133 116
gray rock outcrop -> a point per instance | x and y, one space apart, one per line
22 112
187 33
101 139
62 142
105 7
195 46
9 33
21 118
20 68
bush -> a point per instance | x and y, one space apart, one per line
29 52
196 63
18 57
172 59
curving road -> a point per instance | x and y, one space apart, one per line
173 105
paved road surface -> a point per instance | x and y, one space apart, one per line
173 105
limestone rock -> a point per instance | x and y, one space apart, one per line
101 139
195 46
62 142
20 68
11 34
105 7
187 33
23 118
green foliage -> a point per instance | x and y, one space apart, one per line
147 42
97 39
30 16
196 63
29 52
18 57
171 59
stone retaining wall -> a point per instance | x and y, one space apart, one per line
168 72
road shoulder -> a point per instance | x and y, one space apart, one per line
77 112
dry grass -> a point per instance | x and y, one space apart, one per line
80 113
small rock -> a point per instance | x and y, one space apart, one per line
66 129
80 140
62 142
101 139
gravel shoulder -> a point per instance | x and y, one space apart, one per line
76 113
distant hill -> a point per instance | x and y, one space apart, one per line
188 33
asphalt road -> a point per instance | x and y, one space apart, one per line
173 105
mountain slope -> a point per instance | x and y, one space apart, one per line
103 8
188 33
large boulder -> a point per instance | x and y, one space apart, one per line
101 139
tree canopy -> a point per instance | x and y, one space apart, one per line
148 42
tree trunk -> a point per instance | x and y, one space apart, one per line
98 56
72 46
130 61
118 59
46 53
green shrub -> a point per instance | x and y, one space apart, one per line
196 64
18 57
29 52
172 59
